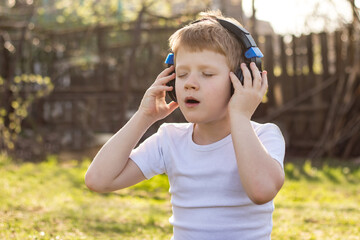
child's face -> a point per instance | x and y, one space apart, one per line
202 85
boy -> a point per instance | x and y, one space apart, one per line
224 169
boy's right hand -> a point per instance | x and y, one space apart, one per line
153 105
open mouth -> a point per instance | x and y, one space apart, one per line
190 101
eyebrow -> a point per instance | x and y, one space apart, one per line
202 66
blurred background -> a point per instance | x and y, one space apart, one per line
72 72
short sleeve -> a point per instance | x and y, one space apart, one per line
148 156
272 139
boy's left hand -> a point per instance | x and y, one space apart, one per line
247 97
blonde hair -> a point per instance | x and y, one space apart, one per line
208 34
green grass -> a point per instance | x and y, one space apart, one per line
318 202
49 200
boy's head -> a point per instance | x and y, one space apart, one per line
208 34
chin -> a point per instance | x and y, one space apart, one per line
191 119
204 120
201 117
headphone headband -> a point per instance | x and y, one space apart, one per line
247 41
251 49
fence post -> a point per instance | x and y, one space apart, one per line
269 66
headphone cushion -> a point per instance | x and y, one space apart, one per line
172 93
238 73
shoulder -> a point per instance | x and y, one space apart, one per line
175 130
268 132
174 135
263 128
272 139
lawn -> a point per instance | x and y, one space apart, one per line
49 200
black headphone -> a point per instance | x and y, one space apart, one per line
251 51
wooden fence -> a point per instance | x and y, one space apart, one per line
314 92
100 75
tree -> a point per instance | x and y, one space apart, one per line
18 87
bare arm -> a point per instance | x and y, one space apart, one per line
111 168
261 176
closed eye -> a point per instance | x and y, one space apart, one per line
208 74
181 75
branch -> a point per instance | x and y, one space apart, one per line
355 10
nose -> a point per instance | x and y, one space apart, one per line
191 83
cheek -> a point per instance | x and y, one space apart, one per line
222 91
227 88
178 87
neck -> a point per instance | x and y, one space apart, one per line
207 133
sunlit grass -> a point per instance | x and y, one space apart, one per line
318 202
49 200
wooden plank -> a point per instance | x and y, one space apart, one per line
294 67
285 81
309 108
339 61
324 54
310 53
307 143
316 125
283 57
269 66
325 138
294 102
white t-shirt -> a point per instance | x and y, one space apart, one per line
208 200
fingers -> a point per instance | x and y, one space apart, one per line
159 87
257 80
155 90
164 76
166 71
264 84
247 75
172 106
253 79
235 81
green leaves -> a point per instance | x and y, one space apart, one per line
21 93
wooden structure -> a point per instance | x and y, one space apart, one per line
101 73
315 99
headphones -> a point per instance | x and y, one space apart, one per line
251 52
